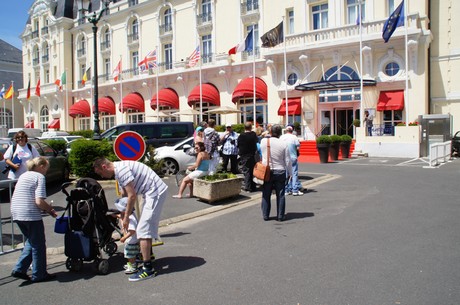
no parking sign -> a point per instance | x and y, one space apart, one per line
129 145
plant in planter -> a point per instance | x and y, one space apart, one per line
345 145
356 123
322 145
216 187
334 147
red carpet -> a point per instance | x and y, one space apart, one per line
309 154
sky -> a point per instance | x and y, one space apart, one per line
13 18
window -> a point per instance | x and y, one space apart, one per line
105 44
135 117
168 56
290 15
256 34
6 118
391 6
168 20
206 10
82 71
84 123
107 66
36 59
340 95
134 36
247 106
207 48
44 118
353 11
46 52
391 118
392 69
108 121
81 51
292 79
135 62
47 76
319 13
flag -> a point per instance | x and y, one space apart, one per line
61 81
245 45
28 91
149 61
9 93
86 76
273 37
194 57
2 92
37 89
395 20
116 72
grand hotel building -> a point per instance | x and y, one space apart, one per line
415 73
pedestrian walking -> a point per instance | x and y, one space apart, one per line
293 185
17 155
211 142
229 142
247 149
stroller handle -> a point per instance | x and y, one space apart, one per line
64 186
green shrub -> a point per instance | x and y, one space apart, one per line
356 123
57 145
219 176
151 162
335 138
84 133
239 128
346 138
324 139
84 152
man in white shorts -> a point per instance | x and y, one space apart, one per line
136 178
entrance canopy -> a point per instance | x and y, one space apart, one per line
166 97
391 100
246 89
80 108
209 93
294 107
335 84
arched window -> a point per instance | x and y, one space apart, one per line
206 10
44 118
6 118
167 17
81 47
340 95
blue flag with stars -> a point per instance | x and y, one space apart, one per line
395 20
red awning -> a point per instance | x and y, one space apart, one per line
246 89
106 105
166 97
80 108
391 100
133 101
209 92
294 107
29 124
55 123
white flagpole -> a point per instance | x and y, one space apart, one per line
201 89
254 73
361 85
406 95
66 101
158 104
12 102
285 75
121 90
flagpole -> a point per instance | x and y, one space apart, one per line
285 75
158 103
201 89
254 74
361 85
66 101
121 92
406 95
12 102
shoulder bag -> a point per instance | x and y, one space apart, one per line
262 171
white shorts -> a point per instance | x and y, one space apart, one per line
197 174
147 227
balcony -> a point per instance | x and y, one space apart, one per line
164 66
45 58
246 55
133 38
105 46
250 12
132 3
204 24
35 34
35 61
207 58
45 30
81 53
81 20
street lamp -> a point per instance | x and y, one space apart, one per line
94 19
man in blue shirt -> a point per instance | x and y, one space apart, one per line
229 143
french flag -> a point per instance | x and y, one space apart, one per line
246 45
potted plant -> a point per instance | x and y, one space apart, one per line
345 145
216 187
356 123
322 145
334 147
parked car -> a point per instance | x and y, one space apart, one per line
456 144
175 157
68 139
59 166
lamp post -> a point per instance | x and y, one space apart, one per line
94 19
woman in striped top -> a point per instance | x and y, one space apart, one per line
27 204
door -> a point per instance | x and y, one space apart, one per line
344 122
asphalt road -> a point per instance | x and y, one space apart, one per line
369 231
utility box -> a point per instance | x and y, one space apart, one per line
436 128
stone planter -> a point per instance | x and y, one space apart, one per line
212 191
334 151
345 148
323 152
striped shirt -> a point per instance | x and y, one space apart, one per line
146 181
30 185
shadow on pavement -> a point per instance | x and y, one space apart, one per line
177 264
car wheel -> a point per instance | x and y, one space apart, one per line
169 167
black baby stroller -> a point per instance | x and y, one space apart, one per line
90 226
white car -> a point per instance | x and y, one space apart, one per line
175 157
68 139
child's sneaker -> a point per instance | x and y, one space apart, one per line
157 242
143 274
130 268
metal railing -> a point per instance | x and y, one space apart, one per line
165 28
134 37
9 184
203 18
379 130
440 153
249 6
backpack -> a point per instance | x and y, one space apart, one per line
14 148
211 142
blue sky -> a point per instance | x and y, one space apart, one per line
13 18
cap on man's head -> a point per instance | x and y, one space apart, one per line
228 125
289 129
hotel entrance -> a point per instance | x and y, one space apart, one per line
343 119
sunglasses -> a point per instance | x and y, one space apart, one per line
20 138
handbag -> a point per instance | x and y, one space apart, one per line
261 171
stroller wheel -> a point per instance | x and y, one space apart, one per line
111 248
103 267
73 264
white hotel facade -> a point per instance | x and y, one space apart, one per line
321 47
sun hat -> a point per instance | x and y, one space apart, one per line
199 128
